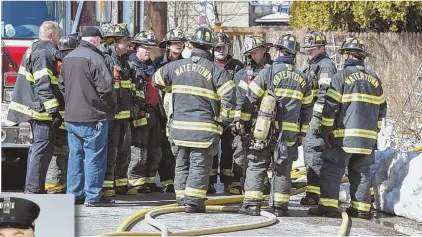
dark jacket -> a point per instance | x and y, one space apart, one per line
200 90
36 92
87 84
232 65
163 60
354 108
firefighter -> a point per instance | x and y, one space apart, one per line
57 170
351 118
222 58
319 72
291 110
173 43
200 89
257 57
115 49
146 132
36 98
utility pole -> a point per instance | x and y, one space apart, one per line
158 23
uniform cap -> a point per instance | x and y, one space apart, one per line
18 213
91 31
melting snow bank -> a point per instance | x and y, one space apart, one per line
397 182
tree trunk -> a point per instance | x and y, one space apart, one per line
159 24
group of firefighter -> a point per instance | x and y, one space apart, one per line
205 113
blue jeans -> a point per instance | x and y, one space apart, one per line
85 179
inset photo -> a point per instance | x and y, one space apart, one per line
28 215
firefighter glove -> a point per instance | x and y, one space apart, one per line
328 136
57 119
240 128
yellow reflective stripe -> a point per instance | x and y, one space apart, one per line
281 197
28 75
355 132
304 128
359 97
137 182
180 193
254 195
54 81
355 150
245 116
62 126
237 113
125 84
283 92
289 126
43 72
361 206
48 104
133 86
372 191
334 94
140 94
328 202
150 180
158 79
123 114
379 124
108 184
315 92
227 113
197 126
228 172
192 143
243 85
318 107
328 122
28 111
290 143
313 189
226 87
140 122
121 182
213 172
166 183
194 192
55 187
324 80
258 91
307 99
193 90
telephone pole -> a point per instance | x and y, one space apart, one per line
158 23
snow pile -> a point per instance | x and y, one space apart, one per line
397 182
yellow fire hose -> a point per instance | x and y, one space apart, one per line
121 231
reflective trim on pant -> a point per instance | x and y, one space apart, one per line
361 206
281 197
166 183
372 191
150 180
328 202
227 172
55 187
313 189
258 195
121 182
108 184
213 172
180 193
137 182
194 192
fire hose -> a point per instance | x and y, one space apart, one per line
212 205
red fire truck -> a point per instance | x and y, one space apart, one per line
20 22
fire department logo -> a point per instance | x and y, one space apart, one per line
248 43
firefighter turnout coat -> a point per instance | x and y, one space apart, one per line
355 106
36 89
202 94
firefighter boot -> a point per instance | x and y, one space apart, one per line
324 211
108 192
235 189
250 210
193 209
352 212
310 199
280 212
169 188
153 187
211 189
143 189
126 190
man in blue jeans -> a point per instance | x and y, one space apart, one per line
90 101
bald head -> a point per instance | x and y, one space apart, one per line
50 30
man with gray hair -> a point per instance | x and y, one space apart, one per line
90 102
36 98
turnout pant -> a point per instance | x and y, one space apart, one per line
335 160
238 159
167 163
193 166
39 155
226 161
312 150
146 153
258 163
118 153
57 170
